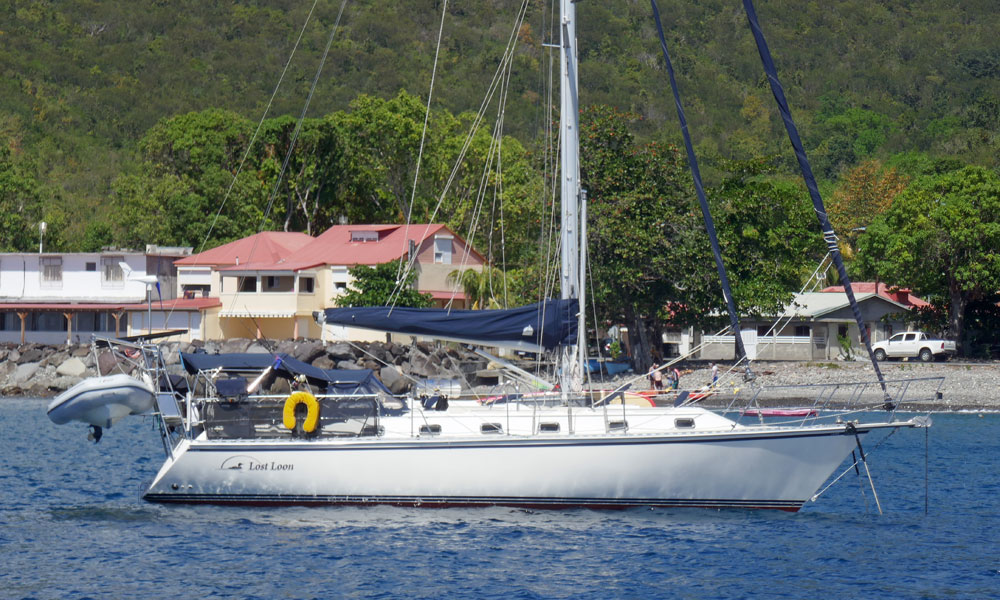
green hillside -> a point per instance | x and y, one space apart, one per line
84 81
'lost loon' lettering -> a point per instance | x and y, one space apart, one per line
271 466
245 463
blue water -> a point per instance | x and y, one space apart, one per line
72 526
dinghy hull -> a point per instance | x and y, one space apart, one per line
102 401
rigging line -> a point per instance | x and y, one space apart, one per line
305 109
850 467
699 189
505 60
260 124
503 225
810 180
813 281
295 134
477 208
477 120
253 138
423 134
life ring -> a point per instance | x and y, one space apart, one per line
312 411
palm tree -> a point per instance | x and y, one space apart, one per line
477 285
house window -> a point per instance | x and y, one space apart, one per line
111 271
763 329
90 267
51 271
306 285
842 331
277 283
340 286
802 330
442 250
364 236
246 284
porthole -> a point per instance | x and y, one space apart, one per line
491 428
430 429
684 423
548 427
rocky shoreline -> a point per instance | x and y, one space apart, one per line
42 371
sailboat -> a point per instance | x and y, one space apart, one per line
228 442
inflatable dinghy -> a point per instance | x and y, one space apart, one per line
102 401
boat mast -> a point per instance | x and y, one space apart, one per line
571 279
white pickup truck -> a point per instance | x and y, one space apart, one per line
911 344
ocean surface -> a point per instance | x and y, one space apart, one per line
72 526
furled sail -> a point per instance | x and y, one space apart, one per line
541 326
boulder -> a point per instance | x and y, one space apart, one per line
394 380
234 346
309 350
340 351
72 367
324 362
349 365
32 354
23 373
256 348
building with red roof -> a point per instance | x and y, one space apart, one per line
270 284
897 294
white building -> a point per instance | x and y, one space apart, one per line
53 298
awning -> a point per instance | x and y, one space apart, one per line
256 314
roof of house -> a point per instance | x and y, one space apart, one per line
266 247
337 246
817 304
897 294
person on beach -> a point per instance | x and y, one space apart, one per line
655 377
715 373
675 378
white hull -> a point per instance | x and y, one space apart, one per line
752 468
102 401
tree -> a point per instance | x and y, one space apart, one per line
315 173
638 213
865 192
178 194
378 286
478 286
768 238
20 208
940 238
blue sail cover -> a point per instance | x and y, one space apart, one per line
542 326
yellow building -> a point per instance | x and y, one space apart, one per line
269 284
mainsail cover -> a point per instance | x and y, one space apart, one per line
541 326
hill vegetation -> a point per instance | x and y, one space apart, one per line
124 123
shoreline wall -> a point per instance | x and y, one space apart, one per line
41 370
